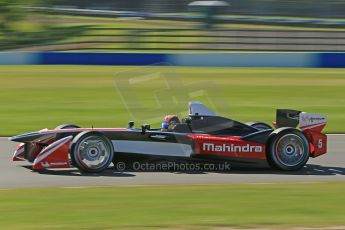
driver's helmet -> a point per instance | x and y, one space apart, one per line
169 122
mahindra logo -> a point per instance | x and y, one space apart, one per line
231 148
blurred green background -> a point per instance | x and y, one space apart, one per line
37 97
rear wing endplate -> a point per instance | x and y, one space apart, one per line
306 121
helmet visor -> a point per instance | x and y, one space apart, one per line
165 125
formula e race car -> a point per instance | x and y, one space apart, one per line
202 135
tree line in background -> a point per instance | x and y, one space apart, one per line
18 25
12 12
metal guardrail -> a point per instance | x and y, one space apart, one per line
189 39
305 22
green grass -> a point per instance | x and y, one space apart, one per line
183 207
36 97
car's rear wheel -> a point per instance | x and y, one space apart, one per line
259 125
91 152
288 150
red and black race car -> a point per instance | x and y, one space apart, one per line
203 135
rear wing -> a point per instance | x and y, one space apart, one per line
306 121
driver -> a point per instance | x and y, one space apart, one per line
169 122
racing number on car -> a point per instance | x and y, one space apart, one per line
320 144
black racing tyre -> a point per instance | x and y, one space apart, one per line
259 125
67 126
91 152
287 149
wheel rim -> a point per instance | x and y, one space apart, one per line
290 150
94 152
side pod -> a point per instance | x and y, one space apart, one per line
54 155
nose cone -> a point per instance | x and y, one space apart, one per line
27 137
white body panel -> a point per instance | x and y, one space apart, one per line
309 120
152 148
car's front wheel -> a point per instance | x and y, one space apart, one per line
67 126
91 152
288 150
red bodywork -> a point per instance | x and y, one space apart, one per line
317 140
19 153
54 156
236 147
228 146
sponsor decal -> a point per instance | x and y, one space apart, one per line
46 164
58 164
231 148
313 119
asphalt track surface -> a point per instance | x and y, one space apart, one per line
329 167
